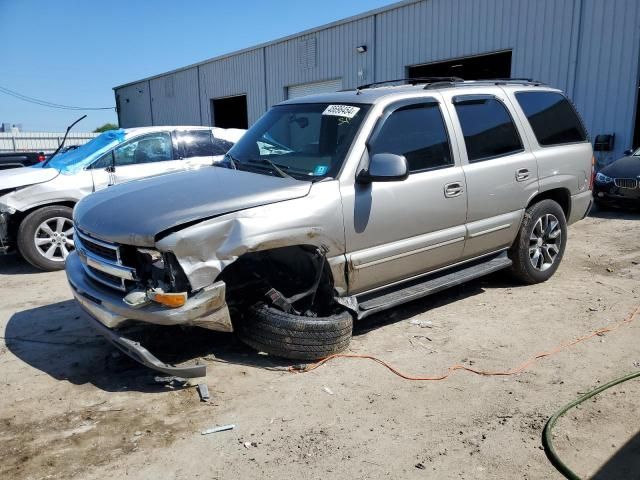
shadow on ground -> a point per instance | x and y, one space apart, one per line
58 340
14 264
625 463
614 213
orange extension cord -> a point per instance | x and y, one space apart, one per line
453 368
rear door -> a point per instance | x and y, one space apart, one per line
143 156
501 172
396 230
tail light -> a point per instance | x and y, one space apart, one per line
41 157
593 172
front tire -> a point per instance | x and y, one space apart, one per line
282 334
45 237
540 244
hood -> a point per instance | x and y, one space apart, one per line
23 177
135 212
626 167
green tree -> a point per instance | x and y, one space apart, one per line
105 127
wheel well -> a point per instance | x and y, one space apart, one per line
18 217
290 270
559 195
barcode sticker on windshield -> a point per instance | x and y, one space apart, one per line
341 111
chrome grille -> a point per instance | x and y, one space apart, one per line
626 182
102 261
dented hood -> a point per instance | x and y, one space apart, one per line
22 177
135 212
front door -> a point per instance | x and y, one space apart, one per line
144 156
500 170
396 230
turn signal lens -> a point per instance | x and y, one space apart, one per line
593 172
173 300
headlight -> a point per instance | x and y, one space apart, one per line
602 178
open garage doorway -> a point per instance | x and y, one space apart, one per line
479 67
230 112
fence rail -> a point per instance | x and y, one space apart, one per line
40 141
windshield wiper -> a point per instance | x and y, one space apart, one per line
232 160
275 167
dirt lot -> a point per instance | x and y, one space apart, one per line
71 407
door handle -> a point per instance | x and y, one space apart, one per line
453 189
522 174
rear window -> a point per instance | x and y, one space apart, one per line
197 143
487 126
552 118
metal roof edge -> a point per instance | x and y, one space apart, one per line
309 31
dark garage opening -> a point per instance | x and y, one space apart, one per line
480 67
230 112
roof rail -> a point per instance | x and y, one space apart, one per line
411 81
488 81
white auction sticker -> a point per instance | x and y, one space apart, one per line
347 111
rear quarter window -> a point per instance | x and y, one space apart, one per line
552 117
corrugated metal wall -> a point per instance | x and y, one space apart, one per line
134 105
335 58
174 99
234 75
589 48
606 82
41 141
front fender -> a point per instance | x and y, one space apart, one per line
204 250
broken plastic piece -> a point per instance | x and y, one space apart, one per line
136 299
203 391
218 429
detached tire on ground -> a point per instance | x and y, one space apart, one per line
273 331
539 246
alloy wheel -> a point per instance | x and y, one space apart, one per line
54 238
545 242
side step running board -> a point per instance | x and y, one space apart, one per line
370 304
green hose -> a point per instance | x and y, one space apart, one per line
546 433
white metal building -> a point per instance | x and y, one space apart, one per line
588 48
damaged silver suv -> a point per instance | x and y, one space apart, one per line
334 207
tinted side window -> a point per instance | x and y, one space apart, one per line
418 132
488 128
552 118
150 148
220 147
197 143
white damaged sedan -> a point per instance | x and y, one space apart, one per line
36 203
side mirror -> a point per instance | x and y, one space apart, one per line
385 167
628 152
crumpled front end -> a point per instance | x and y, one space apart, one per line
130 283
5 244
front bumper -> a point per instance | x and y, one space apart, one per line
612 195
207 309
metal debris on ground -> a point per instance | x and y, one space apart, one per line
223 428
422 323
203 391
328 390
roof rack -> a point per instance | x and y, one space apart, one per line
410 81
488 81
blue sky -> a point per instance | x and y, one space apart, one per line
74 52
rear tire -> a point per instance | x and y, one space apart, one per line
52 228
540 244
273 331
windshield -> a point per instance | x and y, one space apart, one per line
77 158
303 141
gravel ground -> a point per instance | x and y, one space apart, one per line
71 407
